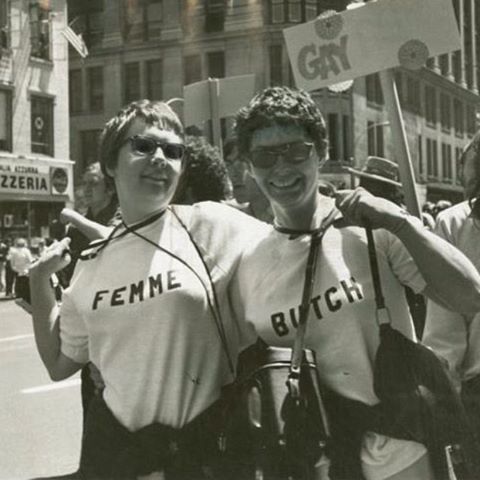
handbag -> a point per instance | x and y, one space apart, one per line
417 395
278 427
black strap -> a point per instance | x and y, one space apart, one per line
383 315
299 343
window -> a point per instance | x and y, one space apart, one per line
95 89
75 87
420 155
5 120
346 137
458 118
276 67
413 95
447 162
445 112
42 125
432 158
154 79
40 30
89 147
333 153
192 69
430 106
88 19
458 168
131 82
3 24
216 64
293 11
471 120
215 11
375 141
374 89
153 19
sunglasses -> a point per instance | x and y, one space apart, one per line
295 152
147 146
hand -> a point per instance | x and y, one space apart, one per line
55 257
92 230
361 208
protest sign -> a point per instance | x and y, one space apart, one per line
378 36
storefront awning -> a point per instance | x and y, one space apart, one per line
28 178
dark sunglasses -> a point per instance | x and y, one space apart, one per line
148 146
295 152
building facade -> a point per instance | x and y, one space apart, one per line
36 173
152 48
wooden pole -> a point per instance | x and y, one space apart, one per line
214 90
400 144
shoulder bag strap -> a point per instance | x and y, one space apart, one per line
298 346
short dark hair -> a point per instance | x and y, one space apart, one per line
204 172
280 106
474 197
152 112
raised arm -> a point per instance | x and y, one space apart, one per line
452 280
45 311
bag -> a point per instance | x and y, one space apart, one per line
278 426
418 396
270 434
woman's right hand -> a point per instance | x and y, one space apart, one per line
55 257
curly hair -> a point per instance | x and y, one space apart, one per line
280 106
474 197
204 173
154 113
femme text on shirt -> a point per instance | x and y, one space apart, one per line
349 291
137 292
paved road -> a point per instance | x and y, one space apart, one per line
40 421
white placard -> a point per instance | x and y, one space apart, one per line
375 37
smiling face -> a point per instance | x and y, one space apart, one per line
288 186
145 183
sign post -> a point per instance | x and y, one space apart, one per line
214 93
331 49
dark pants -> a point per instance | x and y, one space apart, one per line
22 288
9 278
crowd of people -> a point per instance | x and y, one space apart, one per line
199 257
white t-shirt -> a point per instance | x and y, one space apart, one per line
455 336
342 327
142 316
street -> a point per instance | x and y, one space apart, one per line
40 420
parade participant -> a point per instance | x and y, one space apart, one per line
204 176
21 259
454 336
149 307
282 133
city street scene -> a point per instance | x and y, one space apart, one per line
239 239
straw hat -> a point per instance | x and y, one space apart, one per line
380 169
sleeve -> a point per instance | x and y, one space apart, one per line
400 261
73 330
446 333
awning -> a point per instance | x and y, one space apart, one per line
28 178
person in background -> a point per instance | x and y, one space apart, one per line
21 260
247 197
454 336
440 206
3 261
9 272
282 134
381 178
204 176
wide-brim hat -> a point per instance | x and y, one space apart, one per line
379 169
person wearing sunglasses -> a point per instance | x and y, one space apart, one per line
282 134
149 307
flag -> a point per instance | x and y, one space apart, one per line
76 41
